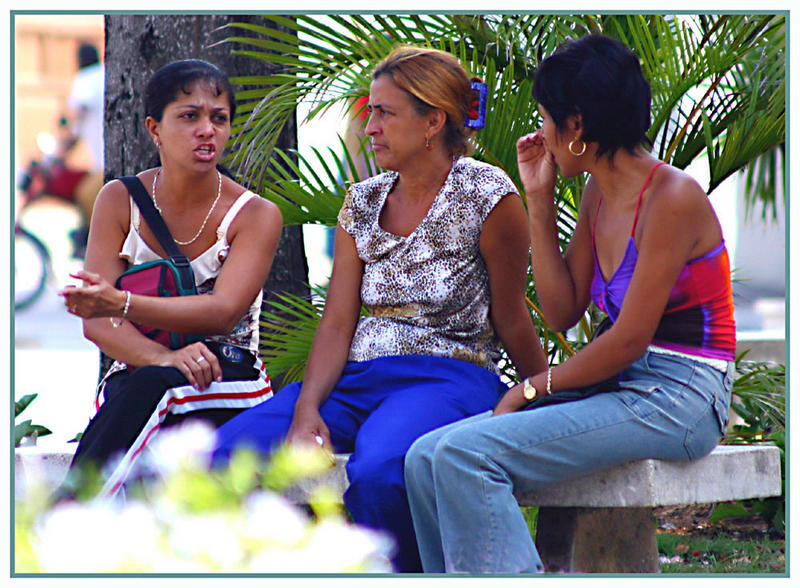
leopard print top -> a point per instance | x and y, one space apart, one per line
427 293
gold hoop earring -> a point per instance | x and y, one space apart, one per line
572 148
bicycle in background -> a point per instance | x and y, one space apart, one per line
48 176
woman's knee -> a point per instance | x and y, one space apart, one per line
456 450
418 464
154 379
374 486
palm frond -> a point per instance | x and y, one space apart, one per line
306 195
761 182
759 398
718 92
718 87
287 332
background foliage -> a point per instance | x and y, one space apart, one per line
718 85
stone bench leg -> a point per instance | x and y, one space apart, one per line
597 540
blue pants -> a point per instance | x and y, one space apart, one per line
376 411
461 478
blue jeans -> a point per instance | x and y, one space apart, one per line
461 478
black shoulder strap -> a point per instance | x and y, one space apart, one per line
151 215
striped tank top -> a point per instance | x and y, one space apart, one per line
698 319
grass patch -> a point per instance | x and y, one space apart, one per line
721 553
697 547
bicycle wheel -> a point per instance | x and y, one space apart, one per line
31 261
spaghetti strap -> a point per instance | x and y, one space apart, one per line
596 214
639 203
237 205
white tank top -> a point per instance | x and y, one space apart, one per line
206 267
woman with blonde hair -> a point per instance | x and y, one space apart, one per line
436 249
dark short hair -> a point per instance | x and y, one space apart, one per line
601 79
87 55
179 76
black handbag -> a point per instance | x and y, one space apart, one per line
573 394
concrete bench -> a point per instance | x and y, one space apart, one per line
46 464
600 523
604 522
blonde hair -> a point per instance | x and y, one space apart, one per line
433 79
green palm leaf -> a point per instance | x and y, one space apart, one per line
287 332
718 87
718 92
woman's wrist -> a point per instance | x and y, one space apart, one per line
123 308
541 202
305 404
538 386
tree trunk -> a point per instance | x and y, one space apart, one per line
136 46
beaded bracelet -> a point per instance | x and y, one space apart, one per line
124 310
548 381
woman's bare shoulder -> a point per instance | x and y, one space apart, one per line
112 202
258 213
675 189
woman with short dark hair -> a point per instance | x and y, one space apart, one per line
648 251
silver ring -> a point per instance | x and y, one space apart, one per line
200 359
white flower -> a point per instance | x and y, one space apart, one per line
207 537
281 561
336 546
188 445
271 518
111 539
221 529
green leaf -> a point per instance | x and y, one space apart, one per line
23 403
728 510
26 429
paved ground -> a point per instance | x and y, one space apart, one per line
51 357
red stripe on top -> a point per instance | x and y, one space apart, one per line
638 203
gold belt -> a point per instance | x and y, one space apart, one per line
402 310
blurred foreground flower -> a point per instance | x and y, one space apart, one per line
181 517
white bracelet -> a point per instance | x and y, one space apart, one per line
116 324
548 381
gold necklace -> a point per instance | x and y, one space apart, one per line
205 220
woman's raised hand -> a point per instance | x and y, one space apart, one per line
95 298
196 362
537 166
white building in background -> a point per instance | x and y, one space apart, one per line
757 249
760 262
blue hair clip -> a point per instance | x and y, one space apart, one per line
476 117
